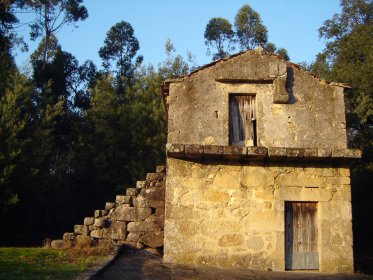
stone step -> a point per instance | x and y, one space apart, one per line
69 236
154 176
100 213
140 184
109 205
123 199
101 222
160 168
81 229
132 191
89 221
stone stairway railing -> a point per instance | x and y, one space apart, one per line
135 219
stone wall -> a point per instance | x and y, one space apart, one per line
311 112
231 214
135 219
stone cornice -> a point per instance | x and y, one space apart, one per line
194 151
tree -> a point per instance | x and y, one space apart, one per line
121 46
348 57
174 65
250 30
219 34
8 39
270 47
51 16
282 52
14 119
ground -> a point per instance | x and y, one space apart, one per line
144 266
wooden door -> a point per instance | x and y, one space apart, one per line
301 250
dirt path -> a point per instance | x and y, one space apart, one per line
141 266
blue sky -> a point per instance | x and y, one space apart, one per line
291 24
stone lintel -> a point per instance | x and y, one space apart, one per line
194 151
324 153
277 152
353 153
234 152
338 153
257 152
213 151
295 152
310 152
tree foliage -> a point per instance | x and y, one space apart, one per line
249 33
51 16
250 30
348 57
68 142
219 34
282 52
120 46
8 39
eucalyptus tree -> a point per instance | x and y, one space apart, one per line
219 35
51 16
120 47
250 30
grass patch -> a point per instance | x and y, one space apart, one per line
43 263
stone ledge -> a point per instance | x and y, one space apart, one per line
194 151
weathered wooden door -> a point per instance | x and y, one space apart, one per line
242 120
301 250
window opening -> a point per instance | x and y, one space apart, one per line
242 120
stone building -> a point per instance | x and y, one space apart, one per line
257 167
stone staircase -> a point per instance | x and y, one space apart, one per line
135 219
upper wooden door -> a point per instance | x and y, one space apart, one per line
301 249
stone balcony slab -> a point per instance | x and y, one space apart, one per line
194 151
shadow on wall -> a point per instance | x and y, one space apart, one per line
362 218
289 85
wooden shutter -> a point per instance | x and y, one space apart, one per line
242 120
